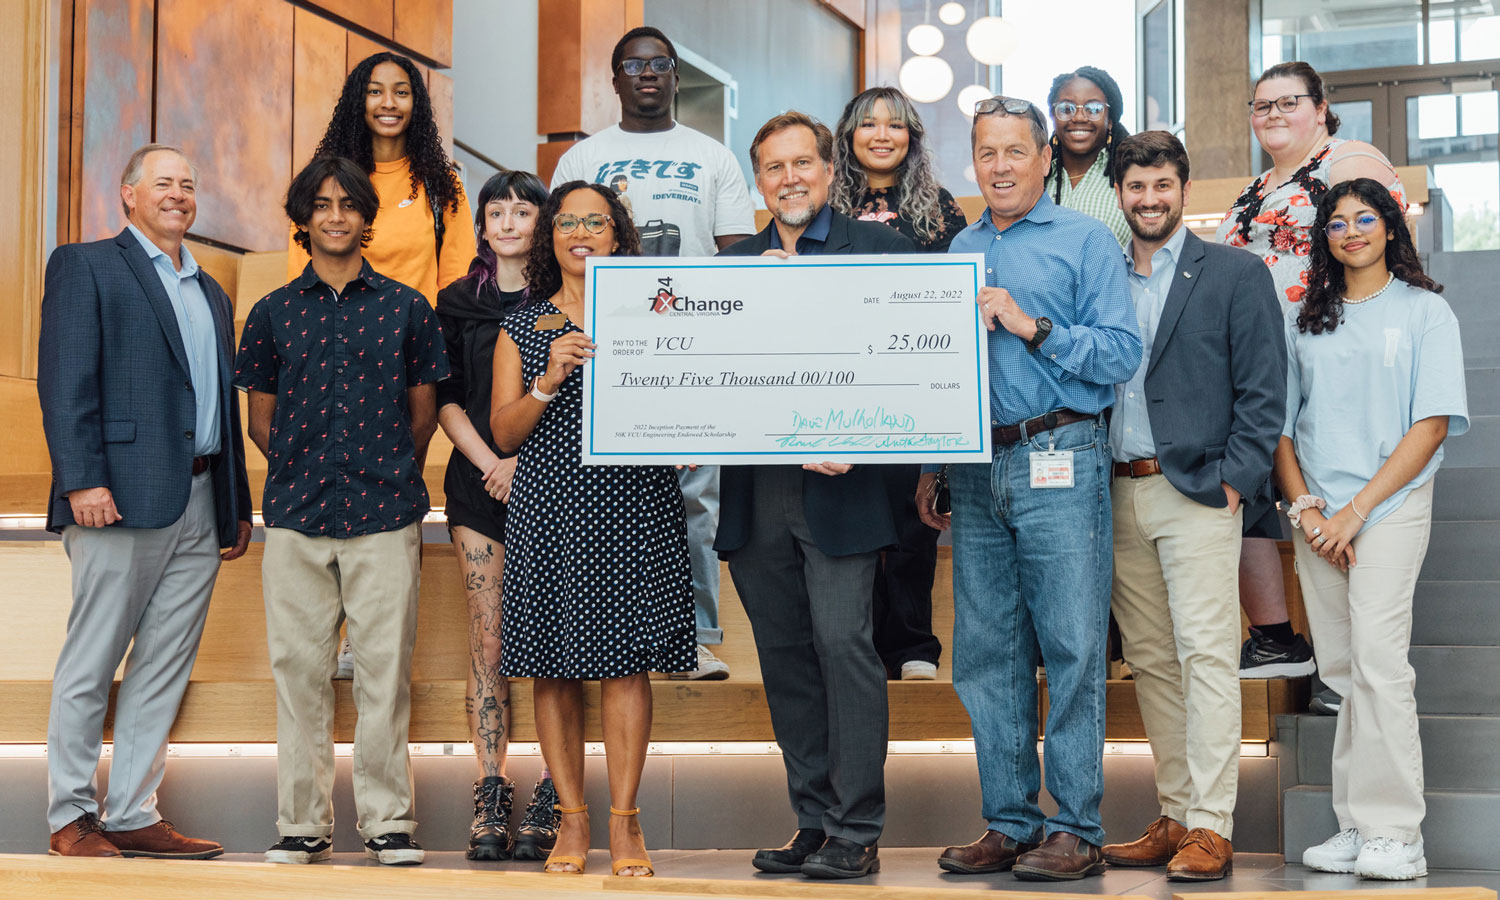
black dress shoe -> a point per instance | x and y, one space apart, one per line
789 857
839 858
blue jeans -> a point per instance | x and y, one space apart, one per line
1031 580
700 498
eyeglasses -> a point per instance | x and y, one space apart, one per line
1093 110
1009 106
1286 104
661 65
594 222
1364 223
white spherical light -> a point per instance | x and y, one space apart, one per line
970 96
991 40
926 79
924 40
951 13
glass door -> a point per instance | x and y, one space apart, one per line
1456 136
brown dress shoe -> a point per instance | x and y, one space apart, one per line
1061 857
994 852
161 841
83 836
1203 856
1154 848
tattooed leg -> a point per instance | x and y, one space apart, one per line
481 560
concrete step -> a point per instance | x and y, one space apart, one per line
1469 280
1457 833
1462 494
1456 680
1456 612
1479 446
1463 551
1483 383
1457 751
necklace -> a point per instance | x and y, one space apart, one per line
1390 279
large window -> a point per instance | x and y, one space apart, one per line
1341 35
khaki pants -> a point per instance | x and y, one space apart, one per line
311 585
1176 600
1361 629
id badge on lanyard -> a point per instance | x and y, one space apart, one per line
1051 468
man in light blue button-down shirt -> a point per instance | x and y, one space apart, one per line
1193 431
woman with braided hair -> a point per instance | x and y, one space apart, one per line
1086 107
384 122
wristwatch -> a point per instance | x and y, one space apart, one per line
538 393
1043 328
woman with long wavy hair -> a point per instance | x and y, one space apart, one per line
384 121
882 172
597 584
1375 382
1086 105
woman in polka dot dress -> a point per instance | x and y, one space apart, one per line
597 584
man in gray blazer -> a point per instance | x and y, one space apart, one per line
149 492
1192 437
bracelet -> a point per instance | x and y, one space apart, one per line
537 392
1362 517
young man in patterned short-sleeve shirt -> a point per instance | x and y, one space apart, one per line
341 366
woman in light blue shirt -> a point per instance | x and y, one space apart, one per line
1375 382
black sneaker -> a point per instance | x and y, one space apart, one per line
1326 702
489 837
396 848
538 832
1261 657
300 850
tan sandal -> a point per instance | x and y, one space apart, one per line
628 862
555 857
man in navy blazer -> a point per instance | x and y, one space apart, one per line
802 545
149 493
1192 437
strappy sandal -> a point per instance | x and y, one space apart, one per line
629 863
555 857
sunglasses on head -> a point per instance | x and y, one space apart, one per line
661 65
1093 110
1364 223
594 223
1009 106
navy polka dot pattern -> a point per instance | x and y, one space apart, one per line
597 583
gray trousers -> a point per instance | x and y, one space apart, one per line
824 682
700 498
150 585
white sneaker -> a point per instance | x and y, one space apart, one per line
1391 860
710 668
918 670
1337 854
345 671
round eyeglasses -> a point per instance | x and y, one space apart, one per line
1286 103
1093 110
1364 223
661 65
594 223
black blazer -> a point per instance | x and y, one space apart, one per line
847 514
1216 379
117 395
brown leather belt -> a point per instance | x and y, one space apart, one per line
1014 434
201 464
1138 468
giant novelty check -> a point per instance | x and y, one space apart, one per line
735 360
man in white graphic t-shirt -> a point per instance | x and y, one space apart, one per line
688 198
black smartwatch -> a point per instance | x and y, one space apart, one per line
1043 328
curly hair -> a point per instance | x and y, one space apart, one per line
1323 304
543 274
1117 132
916 187
349 136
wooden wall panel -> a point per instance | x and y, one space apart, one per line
235 55
117 38
574 82
23 128
426 27
374 15
359 48
23 446
319 58
440 88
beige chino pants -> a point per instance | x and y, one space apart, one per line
311 585
1361 630
1176 599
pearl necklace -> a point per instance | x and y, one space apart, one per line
1390 279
